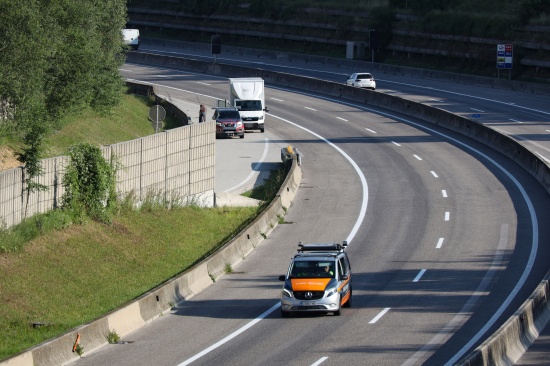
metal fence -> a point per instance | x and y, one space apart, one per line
178 163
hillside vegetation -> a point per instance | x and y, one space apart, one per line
459 36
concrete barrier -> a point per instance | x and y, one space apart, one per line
509 342
376 68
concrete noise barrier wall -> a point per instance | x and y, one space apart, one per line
506 343
177 163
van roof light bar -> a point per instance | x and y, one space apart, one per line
322 247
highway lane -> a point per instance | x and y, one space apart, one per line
525 117
422 187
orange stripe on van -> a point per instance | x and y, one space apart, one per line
309 284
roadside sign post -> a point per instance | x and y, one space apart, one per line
157 114
505 56
373 42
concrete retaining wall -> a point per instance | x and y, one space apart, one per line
511 340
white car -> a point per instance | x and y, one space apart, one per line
362 80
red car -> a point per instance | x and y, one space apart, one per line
228 122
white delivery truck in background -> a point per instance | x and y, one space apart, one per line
247 94
131 38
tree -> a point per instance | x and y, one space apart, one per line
57 57
60 56
30 156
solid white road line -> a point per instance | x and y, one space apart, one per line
362 179
528 202
255 169
360 218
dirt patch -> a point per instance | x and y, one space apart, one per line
8 160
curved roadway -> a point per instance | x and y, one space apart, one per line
444 236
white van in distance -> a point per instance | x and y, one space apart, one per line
131 37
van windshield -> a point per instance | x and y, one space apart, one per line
312 268
248 105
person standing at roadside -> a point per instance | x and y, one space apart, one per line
202 113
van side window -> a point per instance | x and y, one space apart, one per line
343 264
341 267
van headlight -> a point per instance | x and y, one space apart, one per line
287 292
331 291
260 118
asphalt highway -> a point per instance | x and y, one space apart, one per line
445 236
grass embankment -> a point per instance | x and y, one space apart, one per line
62 274
68 277
127 121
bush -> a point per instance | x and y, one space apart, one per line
89 183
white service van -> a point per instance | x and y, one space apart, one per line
131 37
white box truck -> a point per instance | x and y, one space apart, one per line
131 38
247 94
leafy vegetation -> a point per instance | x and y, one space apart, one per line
267 191
112 337
57 57
453 36
90 183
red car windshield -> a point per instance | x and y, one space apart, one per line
229 115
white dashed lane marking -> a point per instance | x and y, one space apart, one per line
380 315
